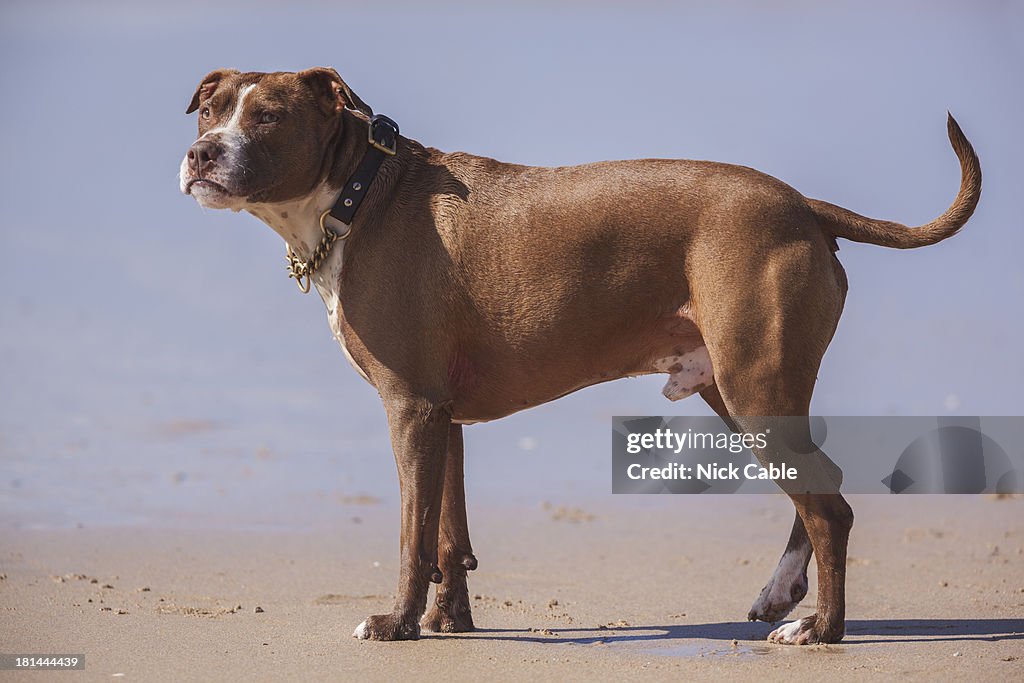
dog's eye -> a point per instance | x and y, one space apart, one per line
267 117
205 113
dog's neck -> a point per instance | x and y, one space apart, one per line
297 221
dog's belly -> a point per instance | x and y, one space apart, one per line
688 373
493 388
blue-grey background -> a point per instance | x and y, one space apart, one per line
159 368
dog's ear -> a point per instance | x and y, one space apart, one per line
207 86
332 92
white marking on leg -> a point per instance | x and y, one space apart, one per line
786 634
688 373
360 632
777 598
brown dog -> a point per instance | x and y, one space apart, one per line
466 289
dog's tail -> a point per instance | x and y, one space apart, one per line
841 222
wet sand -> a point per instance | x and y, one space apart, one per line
574 590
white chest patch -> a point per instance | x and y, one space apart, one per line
297 221
687 374
326 282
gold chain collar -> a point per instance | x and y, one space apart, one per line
303 270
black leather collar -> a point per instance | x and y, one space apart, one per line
382 138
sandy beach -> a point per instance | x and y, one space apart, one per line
598 589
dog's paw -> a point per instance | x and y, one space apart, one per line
448 620
804 631
387 627
778 598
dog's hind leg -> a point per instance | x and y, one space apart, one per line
766 326
451 612
788 584
823 513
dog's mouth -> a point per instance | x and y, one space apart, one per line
206 186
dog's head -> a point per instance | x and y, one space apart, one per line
264 137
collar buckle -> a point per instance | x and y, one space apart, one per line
382 134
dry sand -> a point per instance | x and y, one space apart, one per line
640 589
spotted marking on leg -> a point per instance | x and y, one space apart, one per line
688 373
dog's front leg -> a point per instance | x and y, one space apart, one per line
451 611
419 435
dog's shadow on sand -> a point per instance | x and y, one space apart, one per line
857 632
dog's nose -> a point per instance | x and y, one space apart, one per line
202 155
